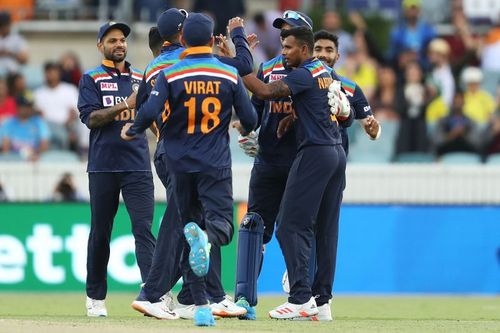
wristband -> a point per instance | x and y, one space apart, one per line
126 104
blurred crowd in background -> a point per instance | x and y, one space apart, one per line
435 91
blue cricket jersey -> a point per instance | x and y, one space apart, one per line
168 56
195 98
309 87
170 53
100 88
273 150
358 101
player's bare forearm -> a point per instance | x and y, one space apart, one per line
276 89
102 117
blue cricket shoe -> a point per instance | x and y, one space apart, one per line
203 316
199 256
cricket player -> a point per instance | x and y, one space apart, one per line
196 97
161 277
313 193
273 159
106 102
326 47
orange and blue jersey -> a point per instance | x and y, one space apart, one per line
195 98
273 150
100 88
169 55
309 87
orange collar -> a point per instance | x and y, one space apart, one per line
111 64
195 50
108 63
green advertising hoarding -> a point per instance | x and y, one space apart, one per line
43 247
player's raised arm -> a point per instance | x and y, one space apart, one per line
276 89
244 109
243 60
150 110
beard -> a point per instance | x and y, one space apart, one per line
115 55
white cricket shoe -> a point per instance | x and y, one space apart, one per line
157 310
227 308
185 311
291 311
324 314
169 301
96 308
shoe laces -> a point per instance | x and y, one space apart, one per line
168 301
96 303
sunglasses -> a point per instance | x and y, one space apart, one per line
186 14
290 14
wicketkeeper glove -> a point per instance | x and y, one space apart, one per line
249 143
337 99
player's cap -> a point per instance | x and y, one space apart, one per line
24 101
440 46
411 3
170 21
112 25
295 19
197 29
472 75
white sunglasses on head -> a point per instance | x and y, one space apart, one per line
296 16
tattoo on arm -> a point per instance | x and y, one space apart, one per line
100 118
279 89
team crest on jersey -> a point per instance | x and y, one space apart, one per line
135 87
276 77
108 100
109 86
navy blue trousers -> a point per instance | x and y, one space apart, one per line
210 192
137 192
267 185
166 267
311 203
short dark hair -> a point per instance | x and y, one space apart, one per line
155 40
323 34
52 65
302 34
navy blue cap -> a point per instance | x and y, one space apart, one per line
112 25
295 19
170 21
198 29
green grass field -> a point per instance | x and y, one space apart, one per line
55 313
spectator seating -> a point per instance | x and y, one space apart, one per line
460 158
415 158
33 75
59 156
493 159
364 150
11 157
